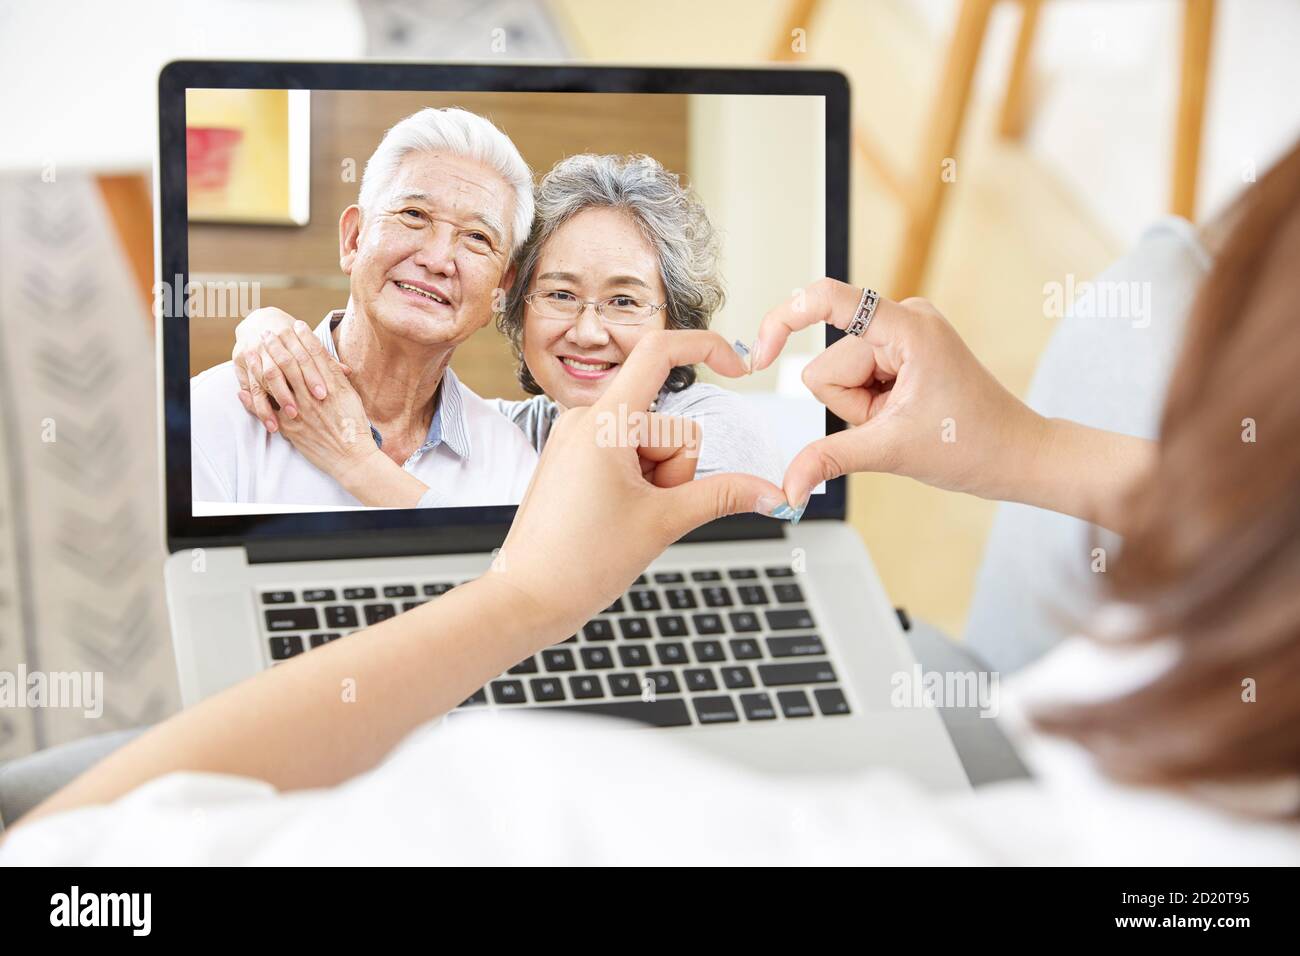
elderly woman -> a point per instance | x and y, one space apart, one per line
619 248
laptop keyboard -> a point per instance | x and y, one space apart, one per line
681 648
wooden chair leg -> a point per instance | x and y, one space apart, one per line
940 143
1015 109
1198 32
798 15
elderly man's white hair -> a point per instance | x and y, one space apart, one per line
460 133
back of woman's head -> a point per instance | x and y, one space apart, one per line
1212 560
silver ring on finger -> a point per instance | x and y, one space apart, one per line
865 313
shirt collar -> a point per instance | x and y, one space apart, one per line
448 425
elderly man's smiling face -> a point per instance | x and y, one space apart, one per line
424 264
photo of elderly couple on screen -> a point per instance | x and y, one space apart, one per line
415 339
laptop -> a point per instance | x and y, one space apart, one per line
768 643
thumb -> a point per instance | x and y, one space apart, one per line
704 499
861 448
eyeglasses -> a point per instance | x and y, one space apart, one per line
616 310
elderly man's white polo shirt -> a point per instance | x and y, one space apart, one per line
473 455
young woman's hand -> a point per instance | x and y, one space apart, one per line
918 403
614 487
262 397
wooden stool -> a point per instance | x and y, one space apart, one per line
923 198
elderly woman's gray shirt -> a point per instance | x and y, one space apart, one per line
734 439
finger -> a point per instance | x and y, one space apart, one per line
834 303
658 353
282 373
706 499
841 378
864 448
258 395
241 373
670 446
311 355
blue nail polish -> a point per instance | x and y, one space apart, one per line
741 349
787 513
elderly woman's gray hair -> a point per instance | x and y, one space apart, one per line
671 217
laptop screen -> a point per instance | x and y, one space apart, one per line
459 264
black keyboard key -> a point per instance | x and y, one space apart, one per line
634 628
758 707
598 630
719 596
744 621
805 645
399 590
527 666
634 655
669 654
437 590
780 675
708 652
547 688
671 625
378 612
788 593
745 648
669 577
699 678
615 608
681 599
358 594
508 692
644 601
292 619
736 678
830 701
640 579
784 572
671 712
624 685
715 710
570 640
596 658
319 594
340 615
794 619
585 686
665 682
316 640
558 659
279 597
708 623
794 703
753 594
284 646
411 605
478 697
706 575
742 574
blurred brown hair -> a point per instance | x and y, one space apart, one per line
1213 557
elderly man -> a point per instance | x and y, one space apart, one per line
445 202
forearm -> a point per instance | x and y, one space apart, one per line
1081 471
321 718
380 482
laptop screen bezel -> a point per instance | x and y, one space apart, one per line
184 529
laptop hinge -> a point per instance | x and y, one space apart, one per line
467 539
378 544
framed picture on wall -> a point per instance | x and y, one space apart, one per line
248 156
